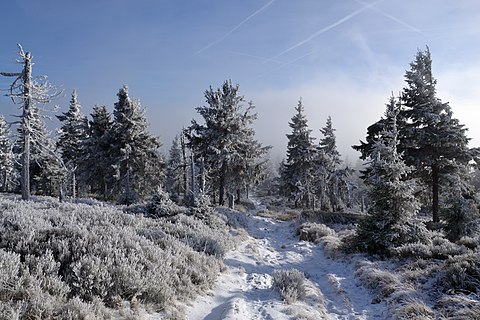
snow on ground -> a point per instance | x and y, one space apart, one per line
244 290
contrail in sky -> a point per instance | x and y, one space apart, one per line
323 30
283 63
235 28
403 23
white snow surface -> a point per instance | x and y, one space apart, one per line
244 290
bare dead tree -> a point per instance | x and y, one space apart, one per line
25 91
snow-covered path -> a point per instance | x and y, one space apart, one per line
244 290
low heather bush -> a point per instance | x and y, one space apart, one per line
290 284
313 232
69 261
462 273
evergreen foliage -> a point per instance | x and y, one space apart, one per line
432 140
434 143
134 152
98 172
332 183
226 143
72 133
297 172
391 216
7 173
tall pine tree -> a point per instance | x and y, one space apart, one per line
138 164
225 143
432 140
6 157
391 216
297 173
96 160
72 133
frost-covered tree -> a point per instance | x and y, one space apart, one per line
297 172
6 157
174 172
47 171
96 159
332 185
432 140
70 138
138 164
225 142
390 221
26 91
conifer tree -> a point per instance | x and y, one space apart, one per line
225 142
297 175
174 174
329 178
433 141
72 133
391 216
6 157
96 159
135 155
430 138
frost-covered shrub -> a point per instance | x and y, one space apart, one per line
210 236
380 282
201 206
459 307
51 253
462 273
313 232
235 219
439 248
411 309
469 242
290 284
160 205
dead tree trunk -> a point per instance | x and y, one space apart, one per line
27 96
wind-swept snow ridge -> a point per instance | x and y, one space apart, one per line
244 290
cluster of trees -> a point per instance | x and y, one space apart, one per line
221 153
113 156
417 156
312 175
418 159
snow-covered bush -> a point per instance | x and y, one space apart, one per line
462 273
438 248
290 284
411 309
380 282
459 307
210 235
160 205
71 260
313 232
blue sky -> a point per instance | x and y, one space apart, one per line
344 58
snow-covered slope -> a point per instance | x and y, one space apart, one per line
244 290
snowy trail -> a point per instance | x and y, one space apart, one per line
245 291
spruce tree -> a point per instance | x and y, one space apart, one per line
297 174
225 143
174 174
96 159
433 141
391 215
138 164
72 133
331 181
6 157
